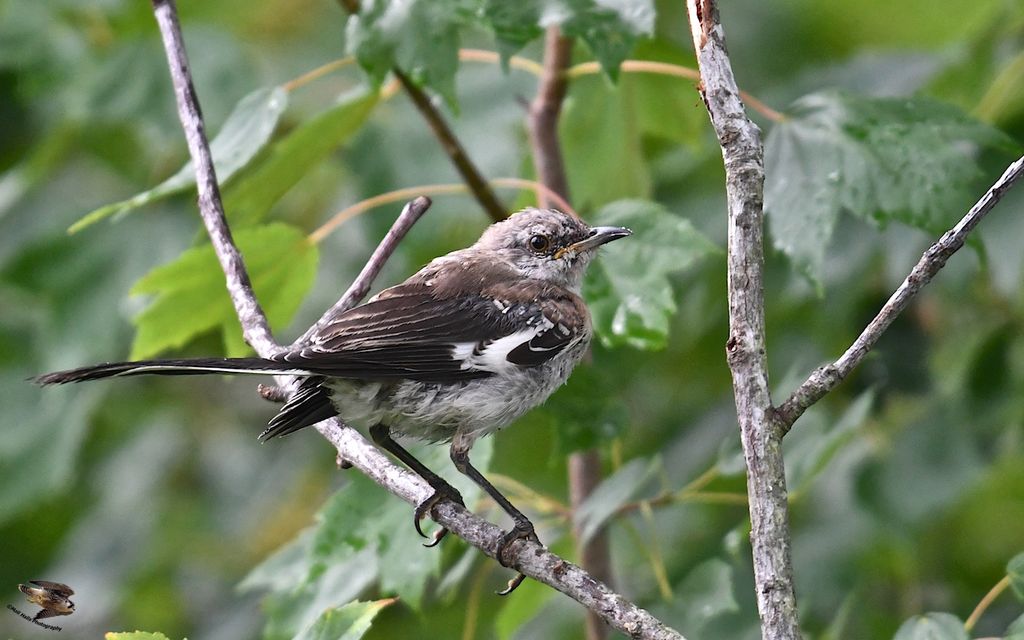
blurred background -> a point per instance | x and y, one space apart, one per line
154 501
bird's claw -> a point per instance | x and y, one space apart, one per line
523 530
424 508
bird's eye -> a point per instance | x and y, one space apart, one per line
539 243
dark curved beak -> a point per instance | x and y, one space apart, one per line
598 236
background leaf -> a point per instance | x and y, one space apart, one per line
190 298
349 622
630 294
881 159
932 626
1015 569
244 133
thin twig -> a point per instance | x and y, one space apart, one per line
351 211
526 557
985 603
743 155
453 147
824 379
678 71
545 110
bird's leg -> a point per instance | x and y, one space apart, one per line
381 434
521 530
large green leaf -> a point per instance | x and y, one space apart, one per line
134 635
288 160
932 626
190 297
914 160
630 291
244 133
349 622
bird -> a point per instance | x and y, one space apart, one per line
53 597
460 349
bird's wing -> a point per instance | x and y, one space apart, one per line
409 332
58 588
47 613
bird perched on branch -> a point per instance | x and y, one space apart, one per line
461 349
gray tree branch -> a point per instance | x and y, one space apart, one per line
825 378
743 155
528 558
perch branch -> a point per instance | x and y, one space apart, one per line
825 378
743 155
526 557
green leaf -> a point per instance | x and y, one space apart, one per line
616 490
248 198
134 635
1016 629
190 298
706 593
601 141
420 37
913 160
630 292
244 133
932 626
1015 571
349 622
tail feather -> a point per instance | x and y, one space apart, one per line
189 366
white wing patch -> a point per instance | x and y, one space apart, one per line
492 356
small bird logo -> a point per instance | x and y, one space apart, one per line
53 597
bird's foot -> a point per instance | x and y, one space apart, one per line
442 492
523 530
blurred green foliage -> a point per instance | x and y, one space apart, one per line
153 499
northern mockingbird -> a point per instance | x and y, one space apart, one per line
461 349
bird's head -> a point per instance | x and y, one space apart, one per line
546 244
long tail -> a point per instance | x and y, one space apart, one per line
183 367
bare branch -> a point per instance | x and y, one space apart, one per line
545 110
743 154
477 184
250 314
824 379
528 558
